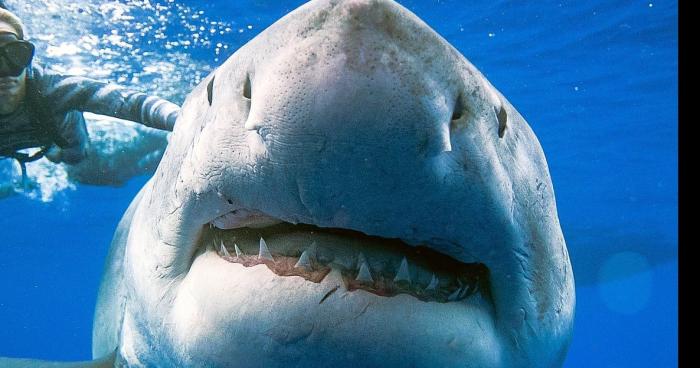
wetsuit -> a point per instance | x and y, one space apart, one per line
51 113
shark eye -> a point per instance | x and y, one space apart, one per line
502 117
210 90
246 88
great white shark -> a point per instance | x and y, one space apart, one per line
345 190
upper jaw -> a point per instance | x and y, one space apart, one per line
208 229
254 219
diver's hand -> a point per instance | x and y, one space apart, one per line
54 154
70 155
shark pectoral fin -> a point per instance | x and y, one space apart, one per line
104 362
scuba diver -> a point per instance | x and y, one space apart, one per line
44 110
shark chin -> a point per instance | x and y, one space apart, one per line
345 190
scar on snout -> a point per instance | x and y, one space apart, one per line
331 291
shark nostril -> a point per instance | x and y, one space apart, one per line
247 90
459 110
210 90
502 117
247 104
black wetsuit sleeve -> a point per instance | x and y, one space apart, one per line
74 132
67 93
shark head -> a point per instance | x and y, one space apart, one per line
345 190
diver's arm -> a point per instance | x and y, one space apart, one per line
74 134
84 94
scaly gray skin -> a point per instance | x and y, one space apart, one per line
360 117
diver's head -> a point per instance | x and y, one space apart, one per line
15 57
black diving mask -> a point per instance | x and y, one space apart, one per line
16 56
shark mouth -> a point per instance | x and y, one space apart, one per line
382 266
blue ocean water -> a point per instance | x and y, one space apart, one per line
596 80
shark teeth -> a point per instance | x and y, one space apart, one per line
312 250
472 288
307 257
455 295
360 260
428 279
363 275
264 253
465 292
433 283
304 261
224 251
402 275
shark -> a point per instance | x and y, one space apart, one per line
345 190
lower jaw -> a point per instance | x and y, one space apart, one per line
262 319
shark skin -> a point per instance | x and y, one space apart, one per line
378 202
